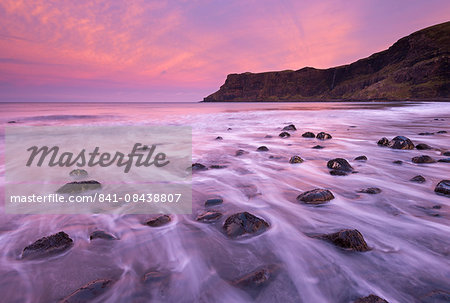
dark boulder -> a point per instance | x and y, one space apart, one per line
100 234
423 159
442 132
422 146
198 167
243 223
308 135
284 135
447 153
361 158
418 179
401 142
443 188
48 246
89 291
12 122
217 166
383 141
78 173
323 136
371 299
445 160
241 152
295 159
209 216
159 221
398 162
318 147
339 164
79 187
219 138
213 201
290 127
262 149
350 239
316 196
370 190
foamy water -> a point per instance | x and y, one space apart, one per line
409 239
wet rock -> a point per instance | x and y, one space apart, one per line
370 190
350 239
209 216
268 136
216 166
219 138
316 196
100 234
446 160
79 187
423 146
442 132
12 121
284 135
308 135
243 223
290 127
241 152
426 134
361 158
418 179
262 149
257 278
443 187
401 142
339 164
159 221
48 246
323 136
213 201
318 147
383 141
295 159
398 162
198 167
423 159
78 173
89 291
229 128
447 153
371 299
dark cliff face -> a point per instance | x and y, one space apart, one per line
416 67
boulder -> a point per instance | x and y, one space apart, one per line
361 158
295 159
89 291
398 162
100 234
308 135
209 216
339 164
443 188
423 159
441 132
290 127
159 221
79 187
401 142
284 135
422 146
350 239
48 246
243 223
371 299
447 153
316 196
323 136
383 141
262 149
219 138
370 190
418 179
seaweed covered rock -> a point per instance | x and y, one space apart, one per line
350 239
316 196
243 223
48 246
79 187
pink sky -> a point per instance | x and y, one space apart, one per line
183 50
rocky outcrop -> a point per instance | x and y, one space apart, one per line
414 68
